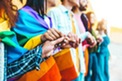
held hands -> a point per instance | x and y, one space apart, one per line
51 34
91 40
49 46
54 38
71 40
51 40
99 39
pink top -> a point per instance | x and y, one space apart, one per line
82 30
80 23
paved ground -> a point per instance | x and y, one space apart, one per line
115 63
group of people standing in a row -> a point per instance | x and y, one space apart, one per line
31 31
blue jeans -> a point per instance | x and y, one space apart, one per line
103 64
80 77
3 62
93 69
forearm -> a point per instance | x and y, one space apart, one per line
83 36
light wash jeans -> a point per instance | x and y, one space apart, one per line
2 63
93 69
104 66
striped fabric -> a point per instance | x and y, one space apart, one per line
48 72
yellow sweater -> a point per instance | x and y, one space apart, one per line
4 24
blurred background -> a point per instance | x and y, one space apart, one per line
111 11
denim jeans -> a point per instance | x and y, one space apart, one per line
103 64
3 61
93 69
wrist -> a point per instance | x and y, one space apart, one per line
43 39
43 54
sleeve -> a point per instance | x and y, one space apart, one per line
33 58
94 34
83 36
107 40
33 42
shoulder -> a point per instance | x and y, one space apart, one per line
26 13
106 37
55 11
